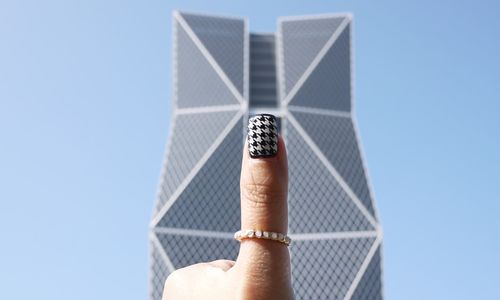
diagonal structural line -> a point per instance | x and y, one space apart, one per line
165 163
365 168
363 268
316 60
332 170
209 57
161 250
371 190
172 118
196 168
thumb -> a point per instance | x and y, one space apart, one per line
265 264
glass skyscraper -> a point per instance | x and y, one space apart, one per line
303 75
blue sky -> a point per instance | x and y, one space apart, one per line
84 108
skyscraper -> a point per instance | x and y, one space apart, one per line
302 74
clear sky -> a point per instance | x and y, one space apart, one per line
84 116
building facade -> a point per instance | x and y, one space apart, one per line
303 75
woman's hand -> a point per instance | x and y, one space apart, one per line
262 269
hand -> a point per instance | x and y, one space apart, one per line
262 269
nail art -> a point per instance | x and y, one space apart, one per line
262 136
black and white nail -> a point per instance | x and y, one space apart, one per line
262 136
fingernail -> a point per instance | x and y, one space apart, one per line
262 136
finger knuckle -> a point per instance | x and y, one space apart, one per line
261 193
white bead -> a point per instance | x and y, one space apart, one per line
252 233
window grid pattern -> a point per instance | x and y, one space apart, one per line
224 39
336 138
329 84
370 286
316 201
211 201
184 153
159 273
325 269
198 84
302 41
185 250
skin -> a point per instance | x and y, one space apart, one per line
262 269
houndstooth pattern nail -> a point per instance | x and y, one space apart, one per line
262 136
